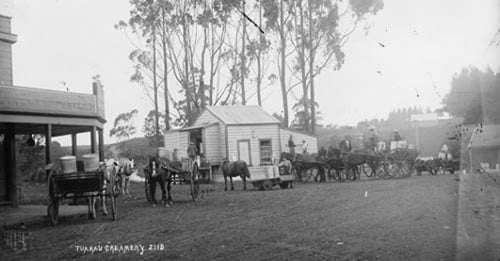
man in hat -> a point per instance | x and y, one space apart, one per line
373 139
397 137
345 145
192 151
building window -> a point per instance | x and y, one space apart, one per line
266 152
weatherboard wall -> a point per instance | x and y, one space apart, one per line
253 133
212 146
297 139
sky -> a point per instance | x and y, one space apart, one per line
62 44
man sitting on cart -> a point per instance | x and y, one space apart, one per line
345 145
397 136
286 165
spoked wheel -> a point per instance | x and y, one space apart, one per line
367 170
113 195
395 168
308 174
332 174
408 169
381 171
53 208
195 181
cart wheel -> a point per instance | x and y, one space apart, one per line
381 170
367 170
195 181
284 185
53 208
308 174
113 195
267 185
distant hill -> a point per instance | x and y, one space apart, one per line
137 148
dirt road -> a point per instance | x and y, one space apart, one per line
407 219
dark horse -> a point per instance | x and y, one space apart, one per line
156 173
352 160
235 169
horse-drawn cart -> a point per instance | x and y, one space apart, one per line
400 162
396 162
86 184
186 170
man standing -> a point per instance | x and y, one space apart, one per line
373 140
304 147
291 146
192 151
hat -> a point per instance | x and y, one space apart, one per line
192 143
396 130
371 127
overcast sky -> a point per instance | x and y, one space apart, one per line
426 42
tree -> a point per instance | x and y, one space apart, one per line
474 95
464 98
124 125
277 16
149 124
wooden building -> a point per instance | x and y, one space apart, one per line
484 147
28 111
237 133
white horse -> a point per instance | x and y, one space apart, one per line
126 167
109 169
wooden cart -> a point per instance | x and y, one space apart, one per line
81 185
186 171
271 177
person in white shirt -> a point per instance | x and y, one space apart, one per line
304 147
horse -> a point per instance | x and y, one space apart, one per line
126 167
109 169
352 160
234 169
157 172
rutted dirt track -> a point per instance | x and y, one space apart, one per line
406 219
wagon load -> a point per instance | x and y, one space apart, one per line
68 164
90 162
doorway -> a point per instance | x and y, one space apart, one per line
244 151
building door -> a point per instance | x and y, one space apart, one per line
244 151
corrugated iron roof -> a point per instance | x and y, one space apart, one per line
242 115
488 136
198 126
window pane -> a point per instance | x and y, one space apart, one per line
265 152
